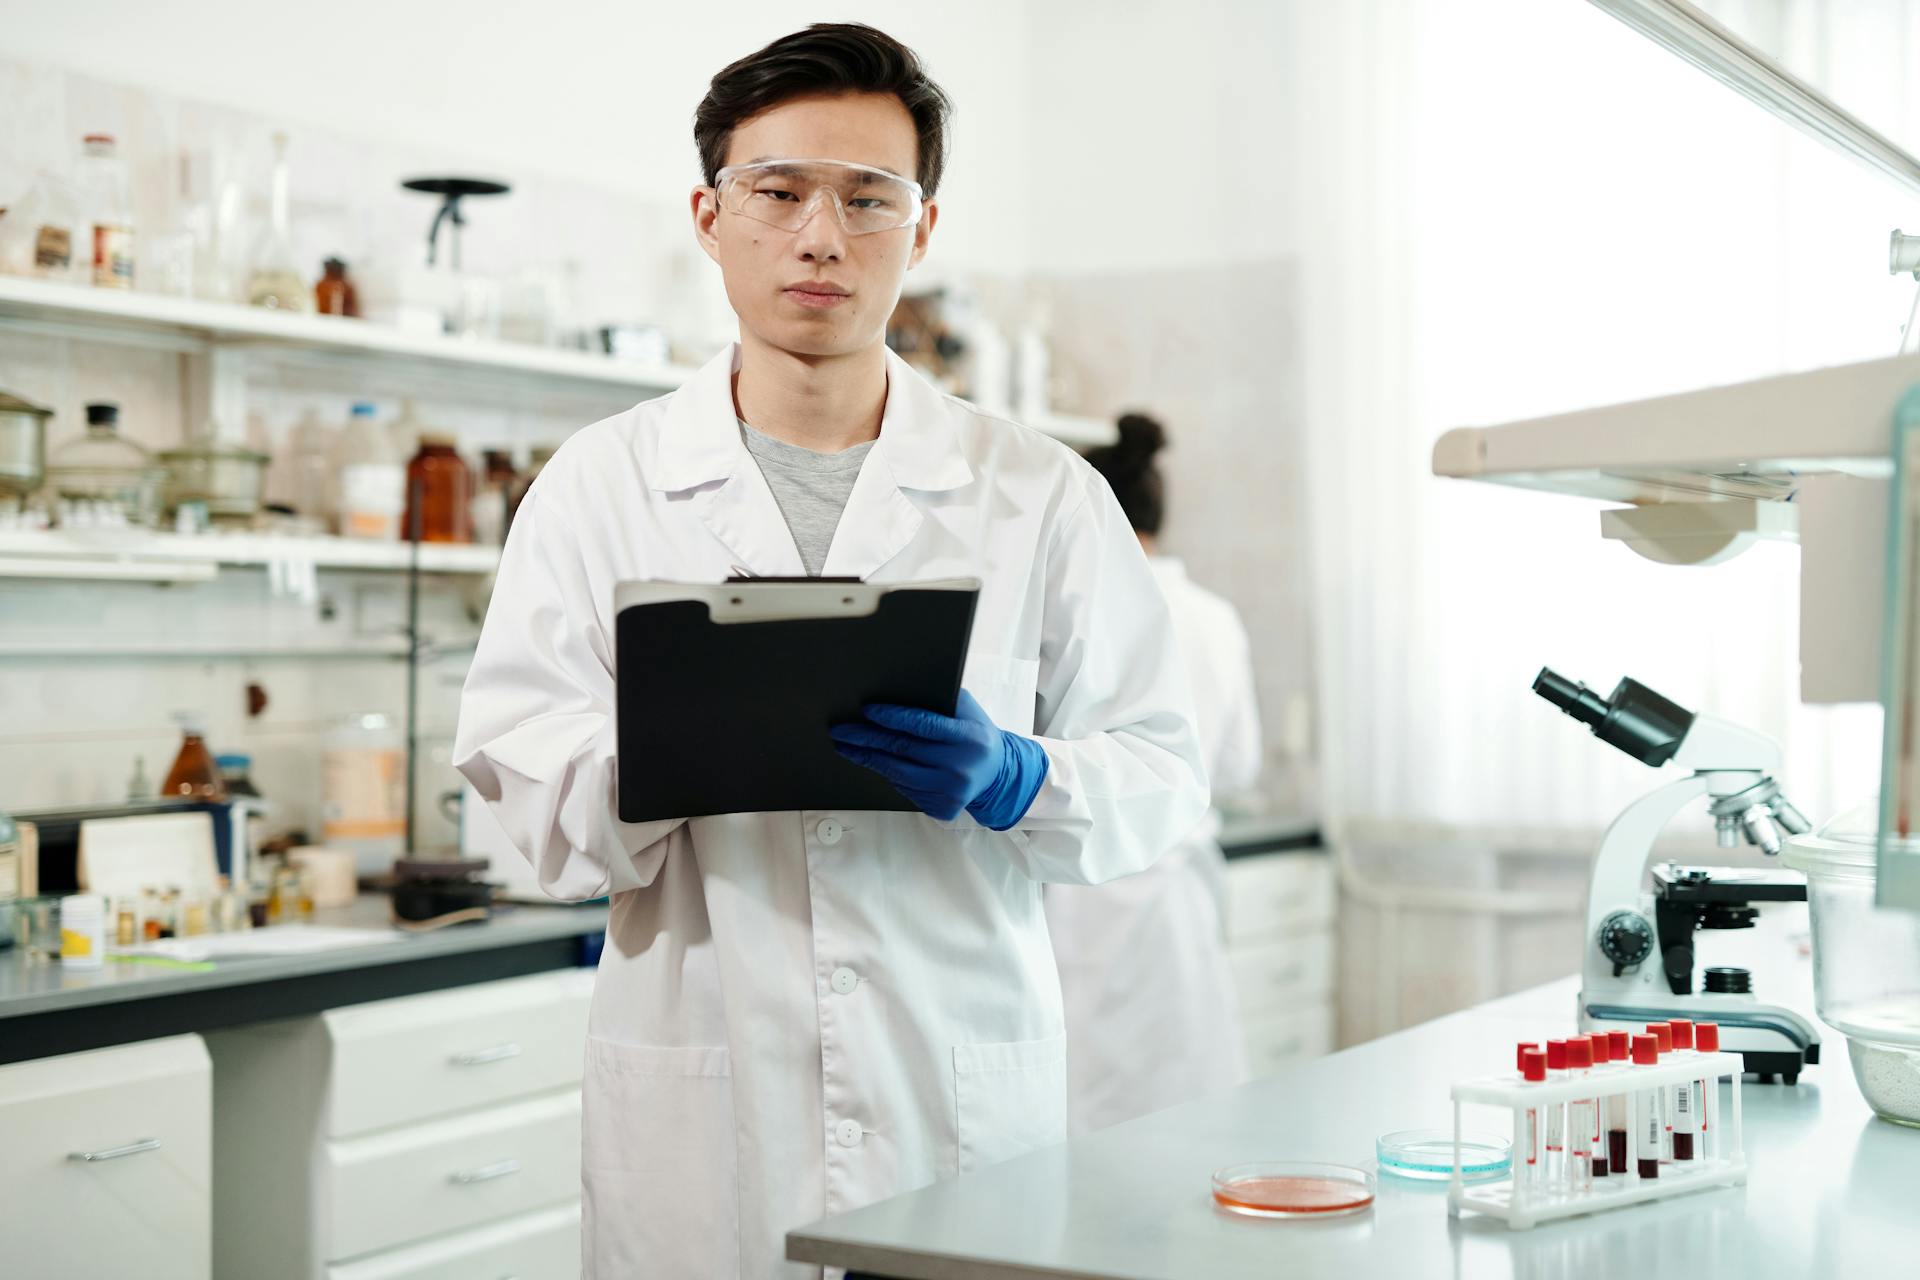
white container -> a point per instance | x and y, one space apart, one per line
373 479
83 931
365 792
1866 961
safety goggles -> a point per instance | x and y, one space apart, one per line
787 193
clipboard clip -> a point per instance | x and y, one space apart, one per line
741 575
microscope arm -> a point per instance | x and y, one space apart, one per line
1622 860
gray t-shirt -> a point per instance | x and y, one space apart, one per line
811 489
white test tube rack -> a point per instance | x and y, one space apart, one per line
1719 1158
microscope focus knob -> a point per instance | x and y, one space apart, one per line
1626 938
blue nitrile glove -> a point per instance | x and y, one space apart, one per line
944 764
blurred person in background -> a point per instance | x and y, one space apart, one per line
1152 1019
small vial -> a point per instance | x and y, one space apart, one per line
1619 1049
1706 1040
1554 1167
1602 1056
1662 1034
1686 1111
1533 1069
1580 1117
126 923
1646 1053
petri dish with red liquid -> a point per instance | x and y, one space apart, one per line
1293 1189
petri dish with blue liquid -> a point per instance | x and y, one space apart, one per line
1426 1155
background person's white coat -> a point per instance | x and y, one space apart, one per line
800 1013
1152 1018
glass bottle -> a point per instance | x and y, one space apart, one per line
38 235
108 212
335 295
139 786
373 481
104 479
275 281
490 503
194 774
439 493
310 470
536 461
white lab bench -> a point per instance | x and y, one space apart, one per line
1830 1193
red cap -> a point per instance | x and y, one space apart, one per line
1619 1046
1646 1051
1662 1033
1706 1037
1557 1055
1533 1064
1579 1053
1520 1057
1682 1032
1602 1051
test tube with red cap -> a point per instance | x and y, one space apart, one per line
1555 1163
1533 1069
1602 1056
1646 1053
1580 1117
1662 1034
1686 1111
1706 1039
1620 1050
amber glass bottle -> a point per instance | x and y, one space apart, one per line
440 488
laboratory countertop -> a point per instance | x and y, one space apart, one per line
1830 1190
47 1009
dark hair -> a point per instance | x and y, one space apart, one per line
828 57
1130 471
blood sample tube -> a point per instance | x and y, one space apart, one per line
1686 1111
1620 1049
1602 1055
1533 1069
1662 1034
1554 1166
1520 1058
1646 1053
1706 1040
1580 1117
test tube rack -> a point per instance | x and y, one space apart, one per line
1719 1159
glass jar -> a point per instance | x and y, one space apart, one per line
1866 960
439 493
103 479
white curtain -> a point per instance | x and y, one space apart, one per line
1517 207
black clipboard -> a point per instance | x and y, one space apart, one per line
724 691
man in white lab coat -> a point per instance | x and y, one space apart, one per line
800 1013
1143 959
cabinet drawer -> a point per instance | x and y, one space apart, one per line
401 1061
143 1204
543 1245
1277 1039
1277 894
1280 976
452 1174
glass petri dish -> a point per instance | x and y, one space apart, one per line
1293 1189
1427 1155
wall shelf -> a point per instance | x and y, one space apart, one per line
139 554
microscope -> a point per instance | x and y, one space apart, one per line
1638 958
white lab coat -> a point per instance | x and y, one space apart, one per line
1152 1018
800 1013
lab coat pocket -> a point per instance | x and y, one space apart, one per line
657 1161
1005 688
1009 1099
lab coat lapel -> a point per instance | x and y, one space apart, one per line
918 452
699 458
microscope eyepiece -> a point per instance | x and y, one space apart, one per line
1635 719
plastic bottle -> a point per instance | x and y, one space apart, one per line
108 212
364 789
83 931
373 483
310 477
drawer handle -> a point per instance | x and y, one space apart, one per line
114 1153
480 1057
486 1172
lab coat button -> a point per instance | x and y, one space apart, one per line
845 980
829 831
848 1133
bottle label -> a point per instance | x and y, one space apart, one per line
365 794
53 249
372 497
113 256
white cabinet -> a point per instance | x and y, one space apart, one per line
406 1137
1280 943
105 1162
